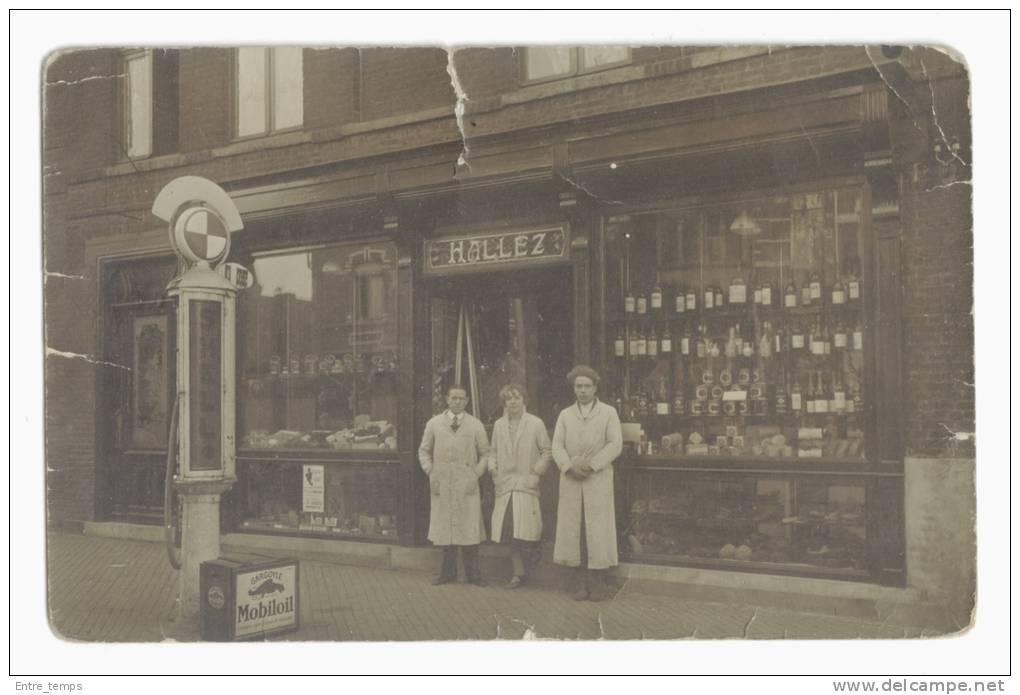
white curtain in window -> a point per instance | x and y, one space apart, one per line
139 130
251 91
288 89
596 56
546 61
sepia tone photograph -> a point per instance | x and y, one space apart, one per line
543 341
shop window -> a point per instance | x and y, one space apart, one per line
150 103
318 350
737 330
269 90
357 500
541 63
769 522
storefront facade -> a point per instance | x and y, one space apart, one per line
728 251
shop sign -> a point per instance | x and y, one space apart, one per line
496 250
265 600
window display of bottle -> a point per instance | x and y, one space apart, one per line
685 343
779 343
652 343
790 295
782 400
642 303
702 346
733 343
680 301
679 397
655 299
853 287
642 343
620 343
811 396
838 403
666 341
719 301
756 292
709 298
692 299
633 352
661 400
826 340
766 295
629 303
817 343
822 398
765 341
858 337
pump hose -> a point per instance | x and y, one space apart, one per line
172 552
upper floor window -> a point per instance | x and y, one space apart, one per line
269 89
138 104
543 63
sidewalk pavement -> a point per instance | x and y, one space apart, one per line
112 590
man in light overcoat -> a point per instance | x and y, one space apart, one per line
586 442
454 454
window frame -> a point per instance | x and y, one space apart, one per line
127 120
269 103
576 65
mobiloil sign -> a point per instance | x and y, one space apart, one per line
248 597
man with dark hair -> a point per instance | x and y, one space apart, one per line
586 442
454 454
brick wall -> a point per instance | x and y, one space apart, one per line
206 110
403 80
332 87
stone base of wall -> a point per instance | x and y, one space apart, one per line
940 510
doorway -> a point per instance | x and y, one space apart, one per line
500 328
136 390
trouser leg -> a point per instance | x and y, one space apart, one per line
472 567
581 574
517 559
447 566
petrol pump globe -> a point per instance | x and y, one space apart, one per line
200 235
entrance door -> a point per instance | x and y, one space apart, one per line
512 327
136 391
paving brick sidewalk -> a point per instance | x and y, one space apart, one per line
103 589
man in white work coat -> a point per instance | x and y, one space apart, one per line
586 442
454 454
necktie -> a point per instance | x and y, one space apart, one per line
456 423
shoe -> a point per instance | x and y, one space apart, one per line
515 583
442 579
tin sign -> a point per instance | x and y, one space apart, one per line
265 600
313 488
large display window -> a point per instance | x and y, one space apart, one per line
736 329
318 350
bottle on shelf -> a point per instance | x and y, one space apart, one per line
702 346
766 294
652 343
816 341
805 291
811 405
858 399
779 342
838 293
692 299
685 343
822 398
661 400
655 303
620 343
679 397
790 295
853 287
709 298
839 337
666 341
796 397
629 303
680 301
782 400
738 291
719 301
756 292
633 351
765 342
838 404
642 343
797 337
826 340
815 283
733 346
642 303
642 403
858 337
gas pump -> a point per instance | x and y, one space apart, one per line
201 217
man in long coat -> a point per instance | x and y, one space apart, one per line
586 442
454 454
